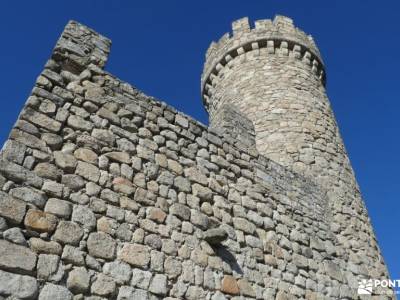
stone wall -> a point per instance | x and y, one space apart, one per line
107 193
273 74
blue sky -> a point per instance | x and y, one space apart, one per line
159 46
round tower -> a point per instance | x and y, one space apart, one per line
274 75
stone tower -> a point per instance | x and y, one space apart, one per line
107 193
274 75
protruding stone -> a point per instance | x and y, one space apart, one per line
215 236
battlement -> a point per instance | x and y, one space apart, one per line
279 33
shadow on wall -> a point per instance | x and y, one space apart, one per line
228 257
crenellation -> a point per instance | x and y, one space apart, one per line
240 26
263 24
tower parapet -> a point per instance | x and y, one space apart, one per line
277 36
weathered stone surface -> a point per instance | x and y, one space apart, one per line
158 285
141 279
160 186
229 285
104 136
53 140
88 171
195 175
67 162
11 209
16 258
72 255
245 288
14 151
101 245
53 188
86 155
49 268
119 271
48 247
135 254
106 114
78 280
204 193
55 292
153 241
79 123
59 208
121 157
127 292
103 286
95 94
180 210
68 233
74 182
84 217
244 225
173 267
333 270
46 170
19 174
14 235
30 195
215 236
41 120
40 221
18 286
157 215
182 184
